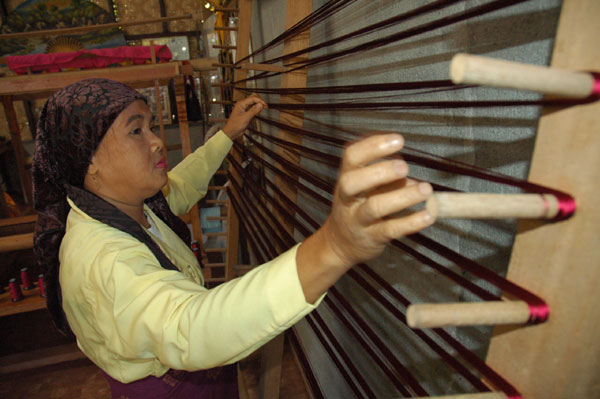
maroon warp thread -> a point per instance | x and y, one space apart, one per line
435 6
330 337
566 203
464 352
427 27
322 13
538 309
411 381
375 87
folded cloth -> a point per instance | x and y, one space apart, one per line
96 58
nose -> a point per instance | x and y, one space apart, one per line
156 143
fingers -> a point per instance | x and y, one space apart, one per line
371 149
370 177
396 228
253 100
379 206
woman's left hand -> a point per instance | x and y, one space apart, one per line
243 112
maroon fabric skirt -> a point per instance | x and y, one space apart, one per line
217 383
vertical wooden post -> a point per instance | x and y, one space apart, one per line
295 11
243 45
560 262
186 149
17 145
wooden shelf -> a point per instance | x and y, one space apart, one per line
39 358
31 302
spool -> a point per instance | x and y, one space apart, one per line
25 280
15 290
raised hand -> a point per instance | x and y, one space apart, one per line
243 112
363 217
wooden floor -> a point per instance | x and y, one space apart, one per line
82 379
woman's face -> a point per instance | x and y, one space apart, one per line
129 165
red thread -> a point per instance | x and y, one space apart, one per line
27 284
595 93
15 290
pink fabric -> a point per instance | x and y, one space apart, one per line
98 58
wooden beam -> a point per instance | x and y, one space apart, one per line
263 67
50 82
40 358
90 28
560 262
16 242
203 64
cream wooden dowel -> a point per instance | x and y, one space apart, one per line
16 242
433 315
479 395
492 206
471 69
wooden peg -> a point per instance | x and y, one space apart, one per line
471 69
492 206
430 315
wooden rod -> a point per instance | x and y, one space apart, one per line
203 64
492 206
226 28
222 47
479 395
221 85
217 120
90 28
471 69
225 102
16 242
226 9
264 67
219 65
432 315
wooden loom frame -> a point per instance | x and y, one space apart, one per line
541 360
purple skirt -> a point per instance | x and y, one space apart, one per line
217 383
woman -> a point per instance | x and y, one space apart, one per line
119 270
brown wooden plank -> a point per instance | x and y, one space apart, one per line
16 242
39 358
561 262
32 301
50 82
18 220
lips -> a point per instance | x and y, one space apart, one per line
162 163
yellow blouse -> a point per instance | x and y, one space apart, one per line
134 319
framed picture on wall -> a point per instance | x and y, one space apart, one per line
150 94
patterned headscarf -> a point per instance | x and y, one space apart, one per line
72 124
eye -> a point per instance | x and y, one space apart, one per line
136 131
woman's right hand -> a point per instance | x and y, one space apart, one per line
362 220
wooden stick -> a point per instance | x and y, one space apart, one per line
203 64
432 315
16 242
225 9
225 28
470 69
219 65
479 395
492 206
218 46
91 28
264 67
159 110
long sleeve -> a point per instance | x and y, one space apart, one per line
133 318
188 181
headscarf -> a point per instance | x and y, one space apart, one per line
71 126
